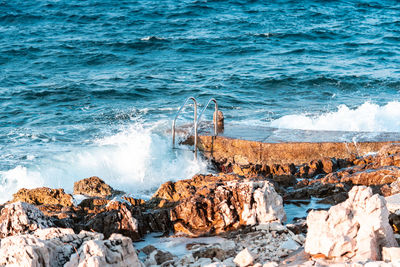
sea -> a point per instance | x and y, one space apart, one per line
90 88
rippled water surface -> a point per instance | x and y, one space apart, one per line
89 87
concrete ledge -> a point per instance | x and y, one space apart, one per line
225 149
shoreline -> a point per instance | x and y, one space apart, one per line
243 205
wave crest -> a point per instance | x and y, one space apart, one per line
368 117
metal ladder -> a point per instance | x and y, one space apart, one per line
196 120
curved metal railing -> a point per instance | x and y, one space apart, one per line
194 121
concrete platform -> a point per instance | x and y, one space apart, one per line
262 145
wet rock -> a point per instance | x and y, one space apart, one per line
334 199
315 167
117 251
21 217
317 189
93 186
117 218
383 175
354 229
134 201
210 252
159 257
285 180
219 208
43 195
244 258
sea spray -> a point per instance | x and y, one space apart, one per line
367 117
136 160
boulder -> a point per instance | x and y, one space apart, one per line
227 206
44 247
93 187
171 192
391 189
116 218
355 229
117 251
20 217
43 195
244 258
380 176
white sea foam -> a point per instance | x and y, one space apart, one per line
368 117
135 160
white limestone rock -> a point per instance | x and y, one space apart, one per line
44 247
391 254
393 203
20 218
355 229
267 206
116 251
54 247
244 258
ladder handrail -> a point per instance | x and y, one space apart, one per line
194 120
196 124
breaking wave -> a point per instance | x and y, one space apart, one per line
135 160
367 117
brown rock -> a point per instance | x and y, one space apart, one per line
93 187
134 201
329 165
179 190
222 207
43 195
389 149
383 175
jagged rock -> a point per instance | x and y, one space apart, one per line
93 187
21 217
117 251
158 257
389 149
117 218
318 188
244 258
148 249
175 191
210 252
393 203
134 201
354 229
391 189
226 206
383 175
44 247
43 195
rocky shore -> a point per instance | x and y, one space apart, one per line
243 206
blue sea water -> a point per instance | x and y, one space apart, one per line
90 87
